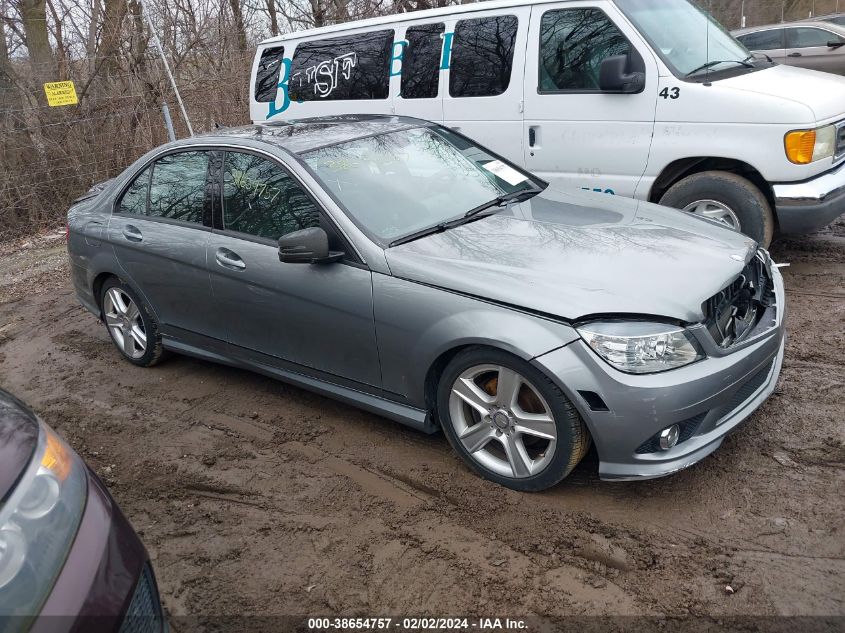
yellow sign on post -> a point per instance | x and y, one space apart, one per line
60 93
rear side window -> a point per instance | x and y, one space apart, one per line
421 61
763 40
177 189
808 37
267 74
351 67
261 199
482 56
134 199
573 44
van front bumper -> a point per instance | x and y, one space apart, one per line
707 399
804 207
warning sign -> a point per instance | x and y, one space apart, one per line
60 93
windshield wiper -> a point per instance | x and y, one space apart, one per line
469 216
500 200
716 62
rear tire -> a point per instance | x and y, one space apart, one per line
508 421
130 324
734 200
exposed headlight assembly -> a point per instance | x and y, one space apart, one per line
640 347
807 146
38 523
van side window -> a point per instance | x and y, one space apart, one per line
763 40
573 44
261 199
421 61
267 74
134 199
177 189
482 56
350 67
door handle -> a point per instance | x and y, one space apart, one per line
795 55
132 233
230 260
532 136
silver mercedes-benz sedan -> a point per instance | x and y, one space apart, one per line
398 266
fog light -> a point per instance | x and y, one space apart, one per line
669 437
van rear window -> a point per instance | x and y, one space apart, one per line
267 74
339 68
421 61
482 56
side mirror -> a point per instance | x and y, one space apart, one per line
613 78
308 246
835 44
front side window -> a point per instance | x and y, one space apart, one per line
421 61
350 67
267 74
573 44
482 56
763 40
808 37
177 188
262 199
397 183
134 199
688 38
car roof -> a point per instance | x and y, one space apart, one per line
828 26
298 136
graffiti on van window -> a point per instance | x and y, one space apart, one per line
326 75
272 110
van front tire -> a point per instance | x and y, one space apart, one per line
725 197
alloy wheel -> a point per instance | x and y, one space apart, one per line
714 210
123 319
502 421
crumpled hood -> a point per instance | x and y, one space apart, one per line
823 93
577 254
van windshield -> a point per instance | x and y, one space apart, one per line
688 38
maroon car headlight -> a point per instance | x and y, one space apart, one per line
38 523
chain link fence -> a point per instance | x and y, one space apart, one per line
50 155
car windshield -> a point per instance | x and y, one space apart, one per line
689 39
398 183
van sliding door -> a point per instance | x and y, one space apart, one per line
484 80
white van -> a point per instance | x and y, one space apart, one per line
645 98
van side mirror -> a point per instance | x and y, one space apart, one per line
613 78
307 246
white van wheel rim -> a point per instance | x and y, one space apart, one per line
714 210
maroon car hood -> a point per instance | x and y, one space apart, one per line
18 439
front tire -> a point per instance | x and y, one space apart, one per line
508 421
726 198
130 324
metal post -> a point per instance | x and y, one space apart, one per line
742 15
168 122
167 67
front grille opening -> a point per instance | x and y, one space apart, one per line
688 429
731 314
144 614
750 387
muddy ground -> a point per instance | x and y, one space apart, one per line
256 497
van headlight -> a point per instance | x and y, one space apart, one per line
38 523
639 347
807 146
